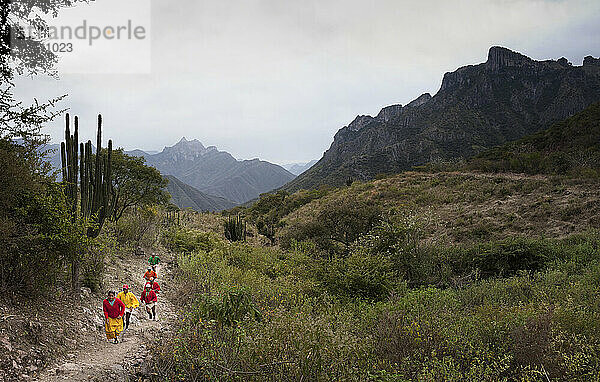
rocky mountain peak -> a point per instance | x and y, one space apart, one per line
389 112
359 122
591 61
185 149
478 106
193 144
500 57
423 98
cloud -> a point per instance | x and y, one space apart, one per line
276 80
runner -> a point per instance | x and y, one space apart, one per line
154 260
131 302
113 316
149 298
150 274
155 286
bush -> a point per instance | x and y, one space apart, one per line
230 309
507 257
138 226
188 240
366 315
339 222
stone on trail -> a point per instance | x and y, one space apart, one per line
68 368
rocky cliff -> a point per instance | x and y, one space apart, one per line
477 107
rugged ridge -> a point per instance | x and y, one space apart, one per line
216 172
186 196
299 168
477 107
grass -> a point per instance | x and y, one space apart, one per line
412 277
514 326
473 207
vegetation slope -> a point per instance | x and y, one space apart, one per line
420 276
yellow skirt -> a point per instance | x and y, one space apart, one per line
114 327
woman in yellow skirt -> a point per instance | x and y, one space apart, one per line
113 316
131 302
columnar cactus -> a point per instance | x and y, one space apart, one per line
235 229
95 177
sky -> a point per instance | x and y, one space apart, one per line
275 79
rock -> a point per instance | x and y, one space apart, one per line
116 368
6 343
511 95
68 368
86 292
499 57
98 322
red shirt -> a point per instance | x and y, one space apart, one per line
148 297
117 309
155 287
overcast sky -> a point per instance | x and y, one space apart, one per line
276 79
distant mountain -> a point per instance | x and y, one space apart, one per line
571 146
477 107
299 168
186 196
217 172
53 155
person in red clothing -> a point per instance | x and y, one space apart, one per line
150 274
155 286
149 298
113 316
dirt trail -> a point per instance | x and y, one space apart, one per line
101 360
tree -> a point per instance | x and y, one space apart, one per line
338 222
36 230
135 184
35 226
22 52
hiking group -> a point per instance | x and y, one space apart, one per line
118 308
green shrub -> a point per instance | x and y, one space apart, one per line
188 240
507 257
230 309
388 310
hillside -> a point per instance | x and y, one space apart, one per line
477 107
467 207
505 266
217 172
568 147
186 196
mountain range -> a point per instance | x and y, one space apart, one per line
185 196
215 172
213 180
569 147
477 107
299 167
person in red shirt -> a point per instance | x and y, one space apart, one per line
113 316
155 286
150 274
149 298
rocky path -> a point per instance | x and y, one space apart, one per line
101 360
